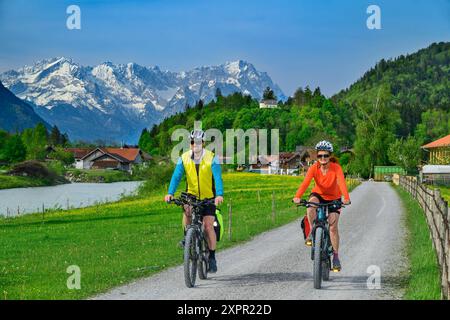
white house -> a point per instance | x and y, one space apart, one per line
268 104
432 174
108 158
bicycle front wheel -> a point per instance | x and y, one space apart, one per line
317 269
190 257
203 259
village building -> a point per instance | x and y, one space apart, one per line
268 104
109 158
78 154
266 164
288 163
435 174
439 151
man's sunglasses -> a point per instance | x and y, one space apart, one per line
325 156
193 142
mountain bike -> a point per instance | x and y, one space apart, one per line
196 251
321 250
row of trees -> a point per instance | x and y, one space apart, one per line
371 125
316 118
33 144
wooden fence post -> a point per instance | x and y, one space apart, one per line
273 206
229 219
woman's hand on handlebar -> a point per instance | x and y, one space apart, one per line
168 198
296 200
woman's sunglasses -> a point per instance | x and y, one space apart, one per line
324 156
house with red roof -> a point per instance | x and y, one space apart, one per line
122 158
439 151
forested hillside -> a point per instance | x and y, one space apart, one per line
418 83
298 124
15 114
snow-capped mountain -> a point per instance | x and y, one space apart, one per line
114 102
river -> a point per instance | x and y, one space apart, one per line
73 195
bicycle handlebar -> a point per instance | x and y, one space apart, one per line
304 203
191 202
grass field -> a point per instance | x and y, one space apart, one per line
423 280
115 243
445 192
8 182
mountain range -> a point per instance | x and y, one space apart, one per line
114 102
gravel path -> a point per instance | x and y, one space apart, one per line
277 265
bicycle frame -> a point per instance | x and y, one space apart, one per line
322 222
322 249
196 250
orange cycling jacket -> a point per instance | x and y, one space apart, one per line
330 186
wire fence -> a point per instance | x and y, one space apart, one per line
437 215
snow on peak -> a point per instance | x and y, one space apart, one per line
131 92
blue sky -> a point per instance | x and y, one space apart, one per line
298 42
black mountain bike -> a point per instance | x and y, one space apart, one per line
322 250
196 252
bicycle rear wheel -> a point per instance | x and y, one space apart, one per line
317 269
190 258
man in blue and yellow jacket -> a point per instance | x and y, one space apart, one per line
204 180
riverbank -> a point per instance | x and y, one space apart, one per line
10 182
99 176
20 201
115 243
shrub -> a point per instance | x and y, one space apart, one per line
33 169
157 175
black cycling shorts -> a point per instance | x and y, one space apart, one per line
322 200
209 210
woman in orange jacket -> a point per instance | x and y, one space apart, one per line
330 186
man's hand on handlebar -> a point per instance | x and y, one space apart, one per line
218 200
168 197
296 200
346 202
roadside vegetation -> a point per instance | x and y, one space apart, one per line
135 237
423 279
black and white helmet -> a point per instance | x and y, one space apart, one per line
324 146
198 135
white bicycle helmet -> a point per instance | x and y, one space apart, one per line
324 146
198 135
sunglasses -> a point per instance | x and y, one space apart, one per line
324 156
193 142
